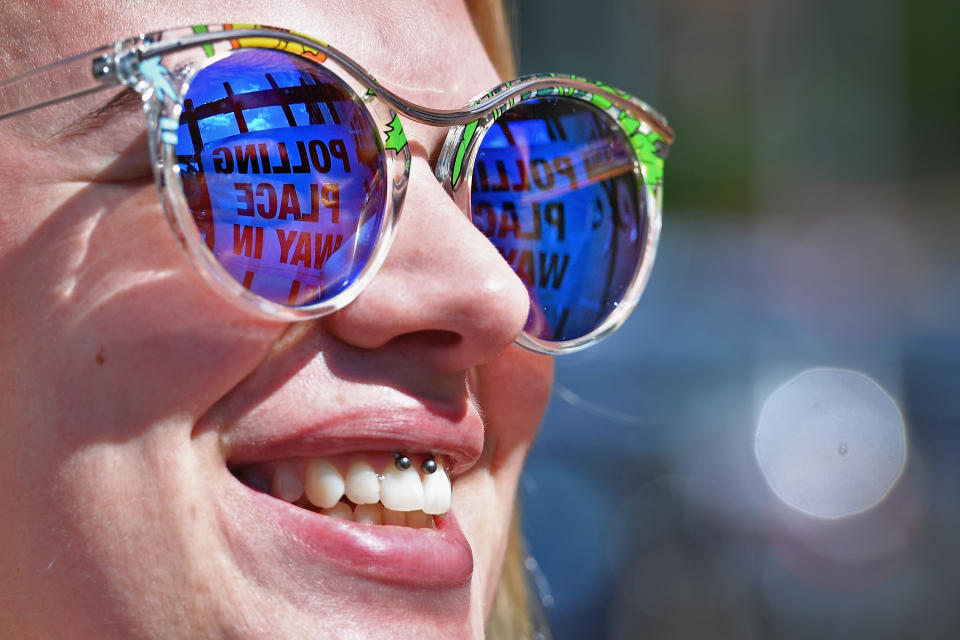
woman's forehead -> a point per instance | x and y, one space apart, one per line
428 52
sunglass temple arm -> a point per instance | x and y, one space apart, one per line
115 64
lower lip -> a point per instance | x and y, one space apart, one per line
438 557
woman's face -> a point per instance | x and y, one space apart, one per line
143 417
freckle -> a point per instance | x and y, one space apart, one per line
99 356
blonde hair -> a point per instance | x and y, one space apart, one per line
510 616
491 19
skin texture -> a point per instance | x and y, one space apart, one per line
126 382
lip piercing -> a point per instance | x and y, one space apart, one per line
429 465
402 461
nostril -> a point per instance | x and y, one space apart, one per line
433 337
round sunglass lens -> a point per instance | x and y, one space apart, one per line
281 167
556 190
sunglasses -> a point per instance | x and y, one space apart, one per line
283 165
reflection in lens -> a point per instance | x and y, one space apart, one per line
555 189
282 170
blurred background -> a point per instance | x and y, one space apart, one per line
769 448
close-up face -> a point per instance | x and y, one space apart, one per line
157 438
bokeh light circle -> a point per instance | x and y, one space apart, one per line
831 443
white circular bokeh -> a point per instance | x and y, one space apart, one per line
831 442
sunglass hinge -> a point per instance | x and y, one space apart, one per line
105 69
119 67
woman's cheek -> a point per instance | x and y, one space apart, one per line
111 347
512 391
111 324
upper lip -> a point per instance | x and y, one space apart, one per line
293 404
298 434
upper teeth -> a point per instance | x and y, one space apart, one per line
362 483
397 490
323 484
401 489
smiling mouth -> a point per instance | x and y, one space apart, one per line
380 489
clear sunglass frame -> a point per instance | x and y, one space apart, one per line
160 66
649 144
183 66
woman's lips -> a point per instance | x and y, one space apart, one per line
310 416
408 555
422 557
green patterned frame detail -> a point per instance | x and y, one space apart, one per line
647 132
649 145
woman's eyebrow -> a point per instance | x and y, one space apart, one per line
120 103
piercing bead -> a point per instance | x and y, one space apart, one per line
429 465
402 461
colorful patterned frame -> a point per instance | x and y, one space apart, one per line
159 66
649 136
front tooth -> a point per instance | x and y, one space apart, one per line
401 489
286 483
436 491
362 483
323 483
368 514
340 510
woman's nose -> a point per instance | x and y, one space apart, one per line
443 287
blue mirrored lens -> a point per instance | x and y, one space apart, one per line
556 191
283 170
